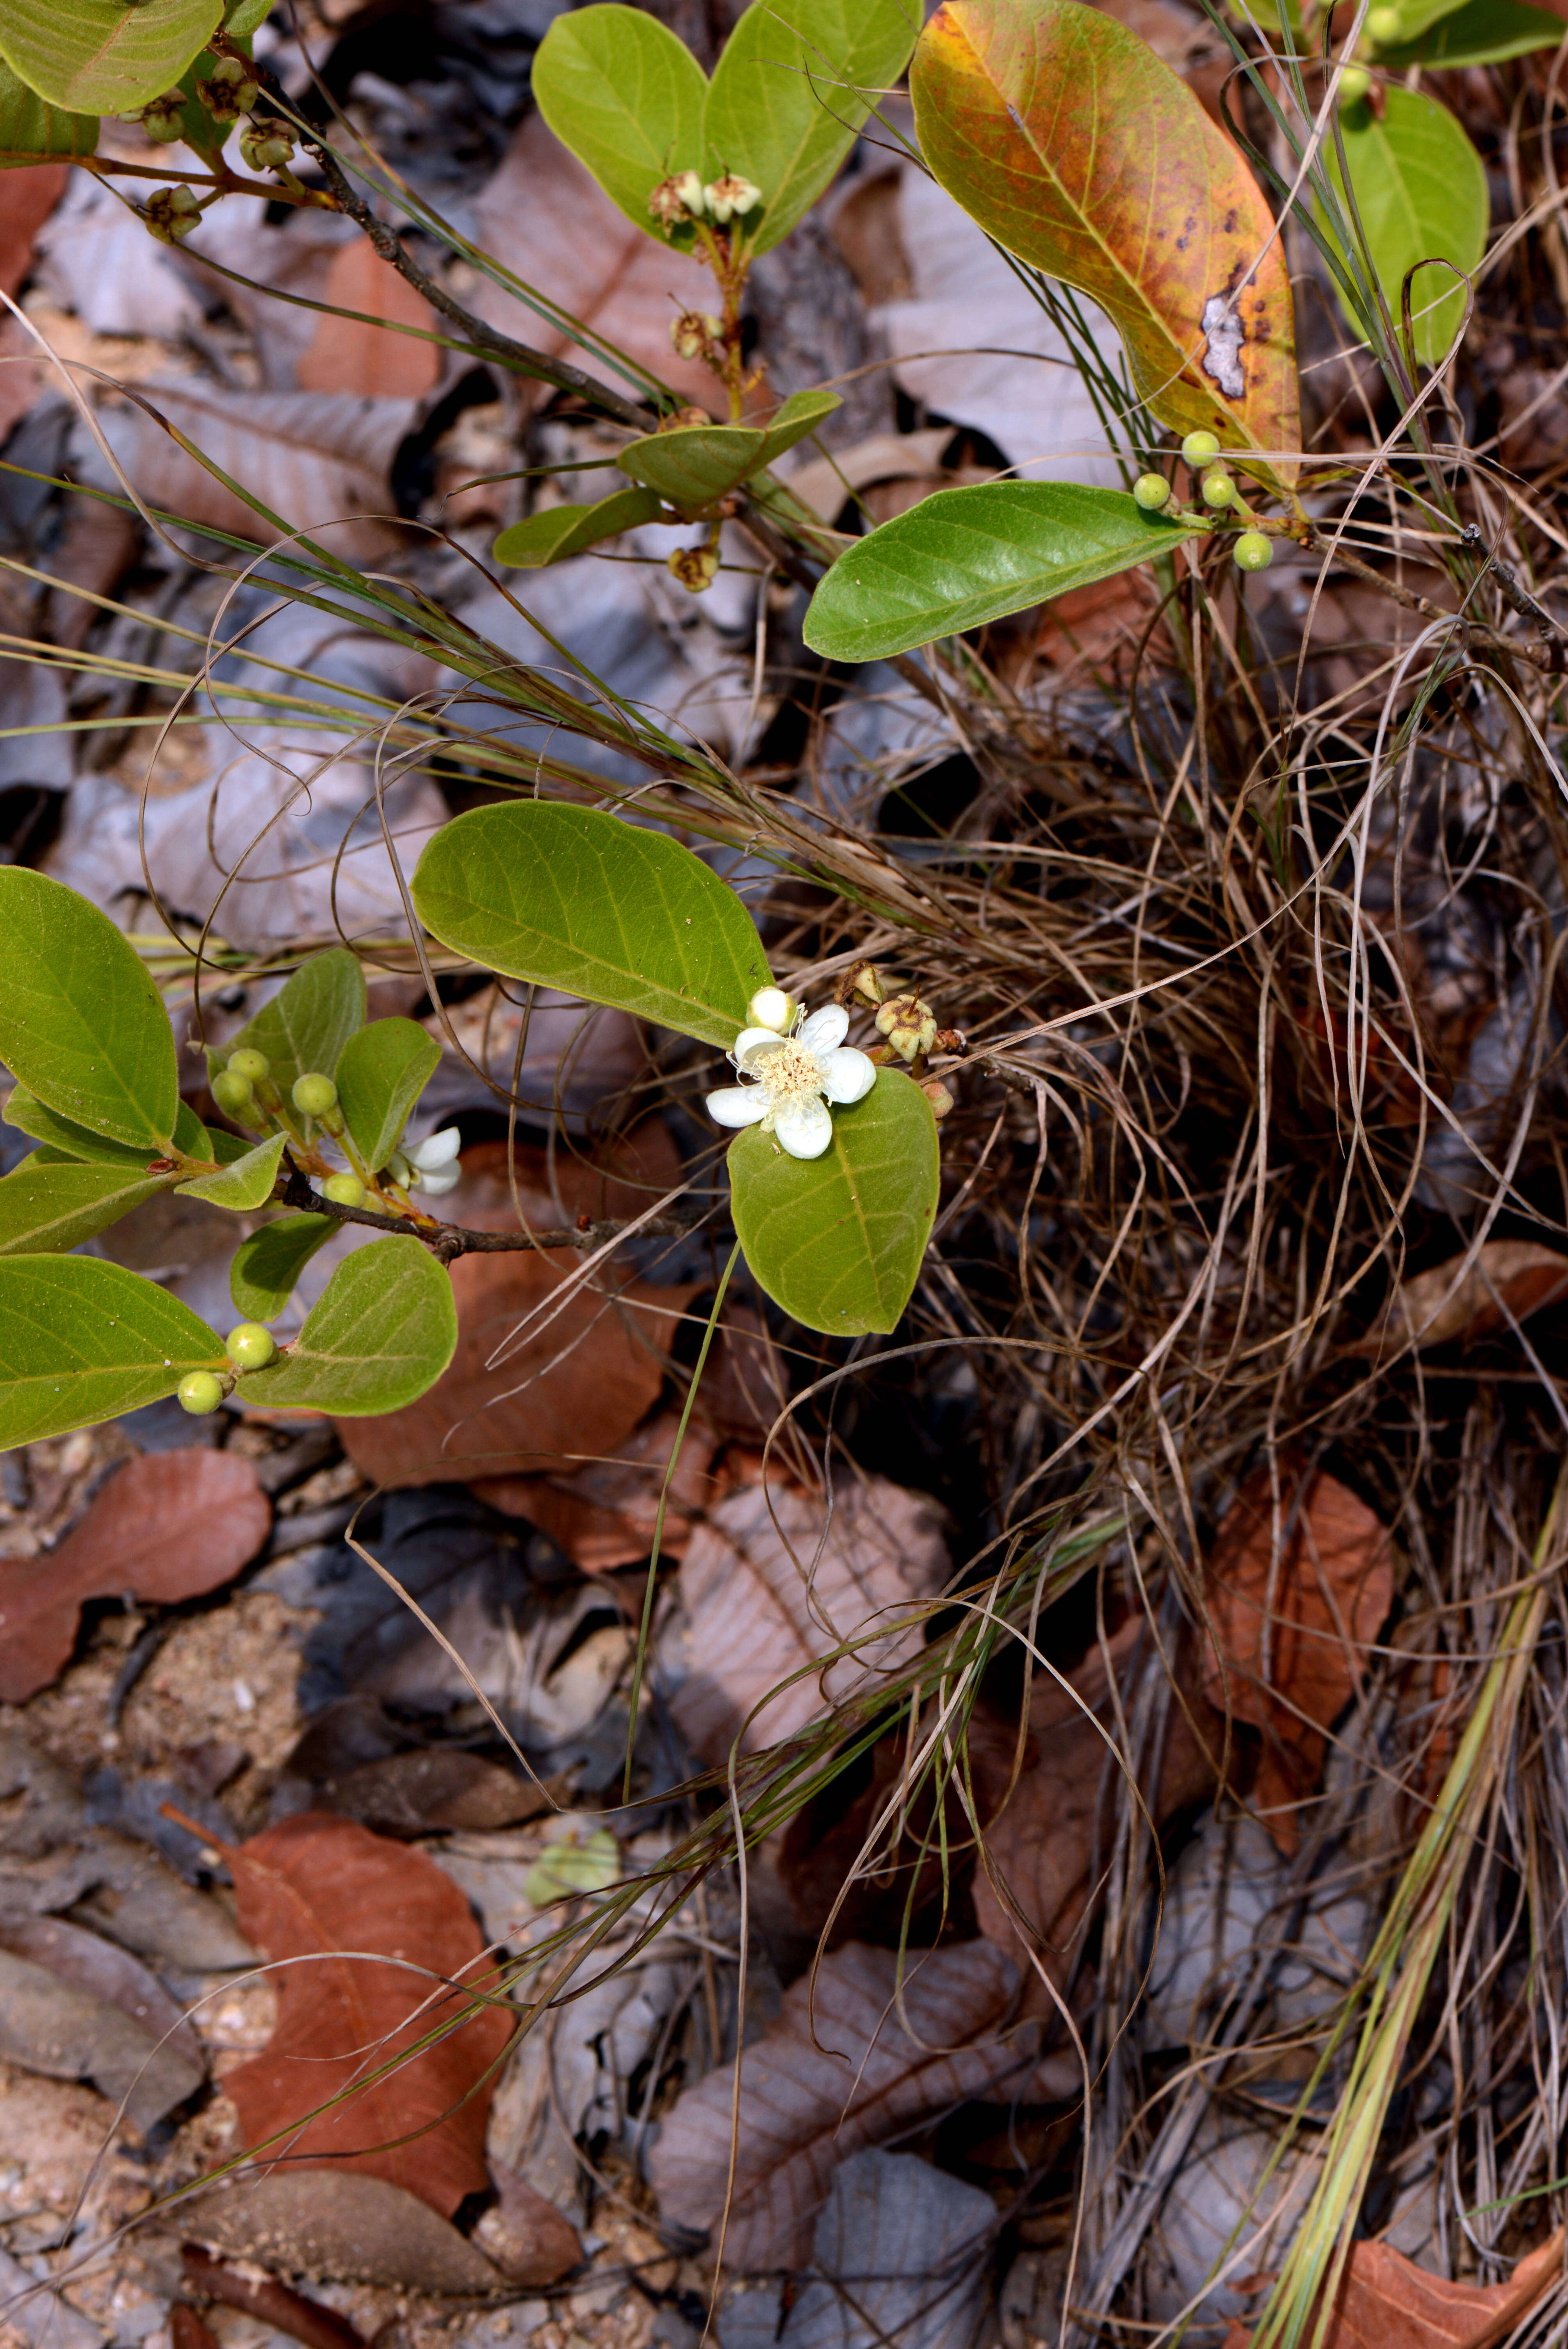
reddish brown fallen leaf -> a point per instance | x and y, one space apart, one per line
167 1525
1289 1633
380 1928
1043 1851
31 195
1508 1279
776 1580
525 2235
851 2060
1386 2302
274 2302
345 355
587 1372
603 1515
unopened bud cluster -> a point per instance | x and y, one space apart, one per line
684 197
695 335
265 147
171 213
230 90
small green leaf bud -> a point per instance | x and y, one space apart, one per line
343 1190
1153 491
200 1391
314 1095
251 1346
1219 489
1353 82
1383 26
171 213
250 1064
1200 448
1253 551
233 1095
265 147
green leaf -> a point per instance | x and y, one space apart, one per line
383 1331
246 1184
697 463
82 1025
31 127
1072 144
104 56
626 97
30 1115
82 1340
580 900
307 1023
561 530
1482 33
53 1208
838 1240
1420 191
267 1265
244 18
965 556
797 79
382 1072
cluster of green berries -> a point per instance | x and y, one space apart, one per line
1201 451
250 1347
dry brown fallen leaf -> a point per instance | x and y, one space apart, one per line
167 1525
776 1580
525 2234
586 1373
343 2224
851 2061
1386 2302
346 355
440 1789
31 196
1036 1878
1288 1633
603 1515
1507 1279
380 1928
546 220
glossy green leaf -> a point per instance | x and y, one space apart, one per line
838 1240
82 1025
561 530
796 80
1072 144
1420 191
30 128
49 1208
626 97
697 463
965 556
268 1264
382 1331
1483 33
580 900
30 1115
82 1340
383 1071
307 1023
244 1184
104 56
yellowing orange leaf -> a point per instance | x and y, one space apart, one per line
1292 1610
1386 2302
1073 145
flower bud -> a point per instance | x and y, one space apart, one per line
909 1025
251 1346
1199 448
692 332
314 1095
731 197
1153 491
199 1393
233 1095
343 1190
697 567
163 119
171 213
265 147
1219 489
250 1064
688 187
771 1007
1253 551
937 1094
864 978
230 90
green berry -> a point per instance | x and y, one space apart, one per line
1253 551
251 1346
251 1065
233 1094
1219 489
1200 448
1353 82
1383 26
343 1190
200 1391
1153 491
314 1095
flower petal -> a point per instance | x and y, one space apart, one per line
437 1150
803 1128
755 1040
435 1180
825 1028
737 1105
846 1075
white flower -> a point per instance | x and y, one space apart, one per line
794 1078
433 1163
